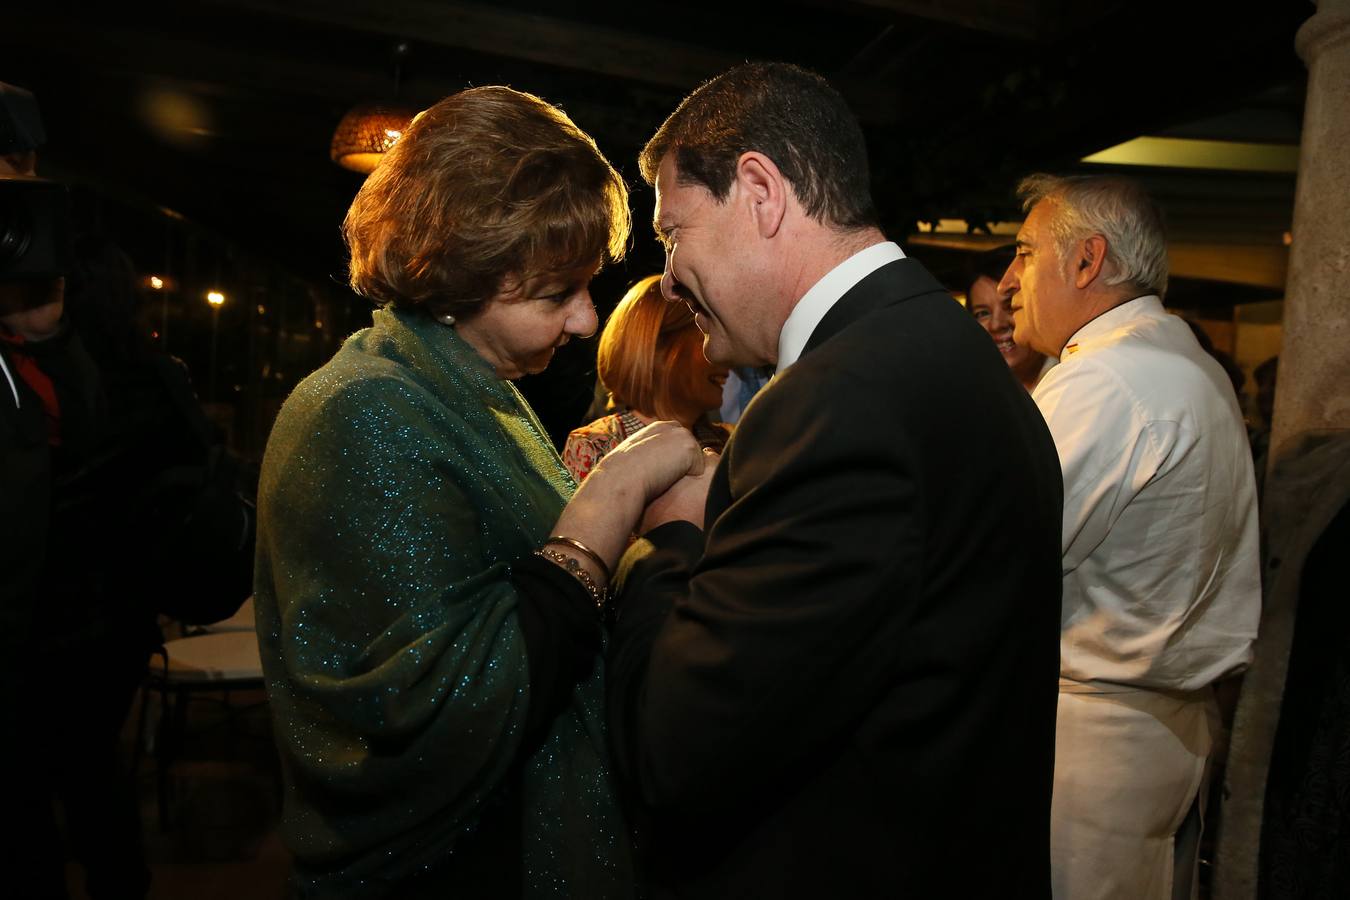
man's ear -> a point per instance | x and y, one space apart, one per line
1089 260
764 190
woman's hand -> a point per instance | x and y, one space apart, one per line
653 459
606 508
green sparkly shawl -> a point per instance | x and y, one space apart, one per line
399 482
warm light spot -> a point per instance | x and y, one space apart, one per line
1287 238
176 116
361 162
1188 153
215 298
156 282
262 310
962 227
958 225
318 324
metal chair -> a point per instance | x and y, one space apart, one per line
242 620
214 662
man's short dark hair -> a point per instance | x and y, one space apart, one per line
785 112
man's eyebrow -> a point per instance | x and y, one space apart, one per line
662 231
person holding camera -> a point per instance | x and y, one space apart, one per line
70 670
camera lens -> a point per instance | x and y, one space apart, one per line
34 229
16 229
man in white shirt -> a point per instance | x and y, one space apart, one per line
845 686
1160 549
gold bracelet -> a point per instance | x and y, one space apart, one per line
581 548
570 565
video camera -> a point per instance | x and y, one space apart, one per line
35 239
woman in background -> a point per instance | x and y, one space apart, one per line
651 362
993 310
428 588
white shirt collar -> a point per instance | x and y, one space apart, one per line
825 293
1112 319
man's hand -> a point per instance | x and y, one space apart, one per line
684 501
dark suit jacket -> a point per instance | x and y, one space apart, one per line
847 688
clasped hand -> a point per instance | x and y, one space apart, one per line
684 500
671 494
630 489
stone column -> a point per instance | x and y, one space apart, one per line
1312 402
1312 394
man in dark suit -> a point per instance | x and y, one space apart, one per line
846 685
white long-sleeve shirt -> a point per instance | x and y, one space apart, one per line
1161 549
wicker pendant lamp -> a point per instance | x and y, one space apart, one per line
368 130
365 134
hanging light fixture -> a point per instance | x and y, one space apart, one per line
365 134
369 130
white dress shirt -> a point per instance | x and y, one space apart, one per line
1161 557
825 293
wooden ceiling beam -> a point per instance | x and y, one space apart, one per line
270 83
592 49
214 67
528 36
1004 18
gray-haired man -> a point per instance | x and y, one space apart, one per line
1161 585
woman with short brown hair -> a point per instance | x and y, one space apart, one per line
428 588
651 362
495 184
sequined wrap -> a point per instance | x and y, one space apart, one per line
399 482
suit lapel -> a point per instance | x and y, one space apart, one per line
895 282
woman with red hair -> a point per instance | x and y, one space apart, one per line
651 362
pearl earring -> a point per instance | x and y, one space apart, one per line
446 319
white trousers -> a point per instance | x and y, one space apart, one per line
1131 773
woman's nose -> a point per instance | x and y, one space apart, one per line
584 321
